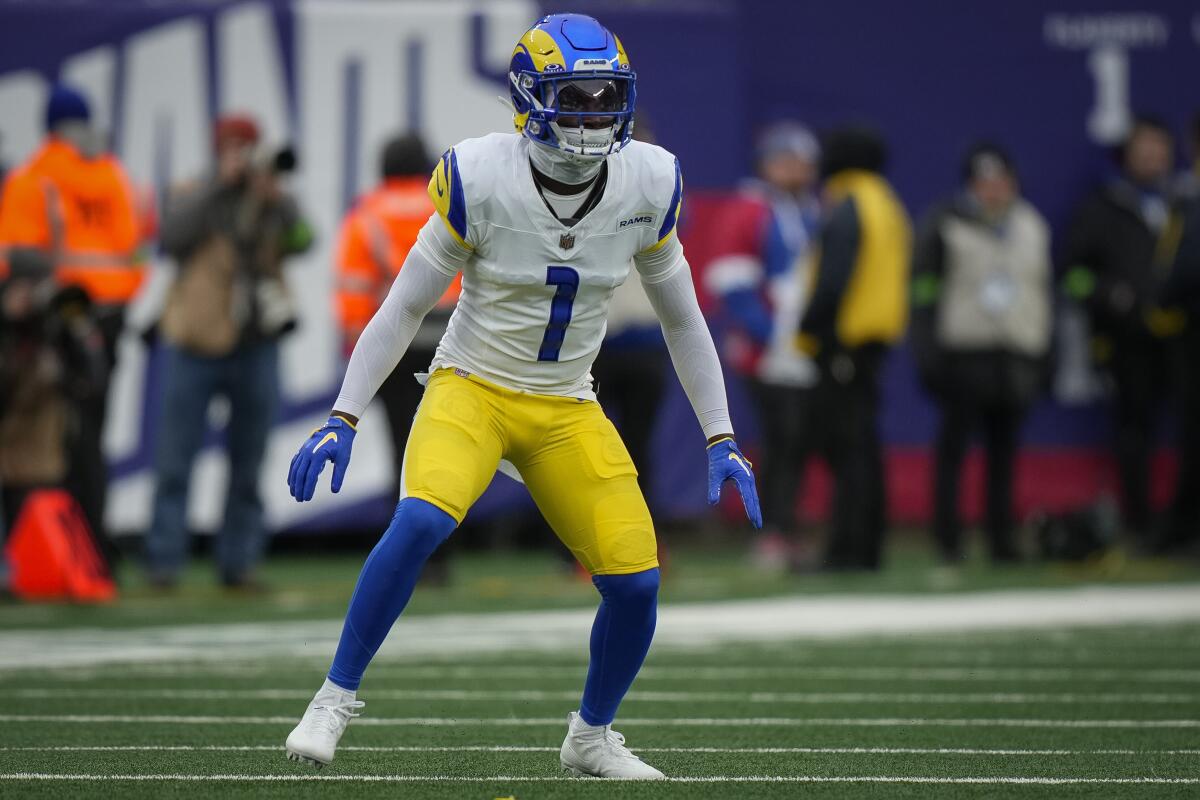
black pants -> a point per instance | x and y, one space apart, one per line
87 471
401 394
845 425
783 413
629 382
1140 370
12 498
1183 518
961 417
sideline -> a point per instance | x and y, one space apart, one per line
696 625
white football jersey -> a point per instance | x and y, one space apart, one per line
535 293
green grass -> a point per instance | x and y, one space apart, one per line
1109 703
308 587
836 700
820 703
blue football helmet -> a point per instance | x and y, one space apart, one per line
572 88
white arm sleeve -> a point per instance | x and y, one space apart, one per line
440 248
424 278
667 279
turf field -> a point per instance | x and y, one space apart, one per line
1095 711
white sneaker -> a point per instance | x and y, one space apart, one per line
599 751
315 739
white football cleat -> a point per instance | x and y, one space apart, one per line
315 739
600 752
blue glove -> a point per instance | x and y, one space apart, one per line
331 442
726 462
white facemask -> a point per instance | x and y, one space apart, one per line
599 140
562 166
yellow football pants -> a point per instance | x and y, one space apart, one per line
568 453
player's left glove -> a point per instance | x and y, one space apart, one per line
331 442
726 462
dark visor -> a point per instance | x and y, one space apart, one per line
589 96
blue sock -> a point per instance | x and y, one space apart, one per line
385 585
621 637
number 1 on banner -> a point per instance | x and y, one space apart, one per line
567 281
1112 114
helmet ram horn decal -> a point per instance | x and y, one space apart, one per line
572 87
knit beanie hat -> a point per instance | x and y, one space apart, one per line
66 103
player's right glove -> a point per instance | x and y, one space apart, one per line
726 462
331 442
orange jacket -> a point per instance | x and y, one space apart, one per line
375 239
84 212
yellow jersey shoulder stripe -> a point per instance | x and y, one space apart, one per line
446 191
671 219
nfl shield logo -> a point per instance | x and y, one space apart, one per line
566 241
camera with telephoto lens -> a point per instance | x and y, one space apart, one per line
36 314
279 162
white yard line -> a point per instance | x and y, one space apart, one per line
684 625
690 722
384 670
1123 639
472 695
486 748
917 779
1032 653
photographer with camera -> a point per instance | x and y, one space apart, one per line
225 312
52 365
73 201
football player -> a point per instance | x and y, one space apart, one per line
543 224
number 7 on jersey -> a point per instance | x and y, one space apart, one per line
567 281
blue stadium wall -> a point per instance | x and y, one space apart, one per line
1056 86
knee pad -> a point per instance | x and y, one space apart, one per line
635 587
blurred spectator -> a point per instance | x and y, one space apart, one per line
629 373
52 364
858 308
1180 248
760 276
376 236
224 314
628 370
73 201
1188 184
981 333
1110 256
